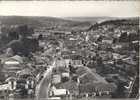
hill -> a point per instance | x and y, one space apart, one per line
124 21
91 20
56 23
64 24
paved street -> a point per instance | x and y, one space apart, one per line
44 84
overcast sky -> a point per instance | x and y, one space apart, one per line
71 8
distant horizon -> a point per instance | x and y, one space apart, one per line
72 16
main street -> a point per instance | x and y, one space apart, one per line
43 87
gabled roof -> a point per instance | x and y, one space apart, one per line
129 61
17 58
25 71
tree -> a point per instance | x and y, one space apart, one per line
115 40
133 37
8 34
100 38
4 30
16 46
4 35
13 34
120 91
25 30
40 37
123 37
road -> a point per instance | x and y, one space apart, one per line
43 87
42 91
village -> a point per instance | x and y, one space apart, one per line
101 61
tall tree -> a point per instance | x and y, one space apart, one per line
123 37
25 30
13 34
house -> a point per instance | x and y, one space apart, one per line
76 60
117 46
21 85
12 82
65 76
77 63
12 65
107 41
56 79
4 90
54 98
60 63
59 93
58 34
117 56
129 61
25 73
4 87
67 62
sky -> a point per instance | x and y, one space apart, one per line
71 8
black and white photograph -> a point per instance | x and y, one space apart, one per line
69 50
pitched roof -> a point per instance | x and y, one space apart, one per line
17 58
